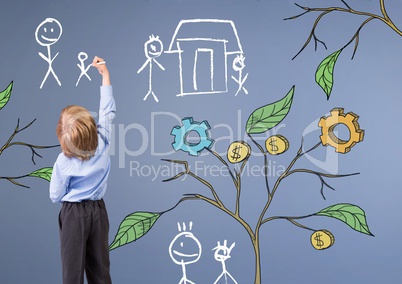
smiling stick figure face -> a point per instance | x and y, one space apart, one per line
185 249
153 47
48 32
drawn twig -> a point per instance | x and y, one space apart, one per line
265 162
216 201
236 178
188 172
324 11
291 220
12 180
9 143
299 154
320 176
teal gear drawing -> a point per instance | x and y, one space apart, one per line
181 133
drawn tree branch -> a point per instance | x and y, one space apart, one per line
33 148
44 173
324 73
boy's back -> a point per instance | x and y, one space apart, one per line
79 182
74 179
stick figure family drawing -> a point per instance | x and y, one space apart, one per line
203 58
186 249
48 33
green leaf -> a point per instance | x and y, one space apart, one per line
352 215
324 76
45 173
5 95
133 227
268 116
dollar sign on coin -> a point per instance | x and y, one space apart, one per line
238 151
322 239
319 243
272 145
276 144
235 153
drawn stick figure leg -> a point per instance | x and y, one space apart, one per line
44 79
55 76
219 277
231 277
149 93
186 281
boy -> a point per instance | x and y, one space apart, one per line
79 182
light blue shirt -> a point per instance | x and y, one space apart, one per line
74 180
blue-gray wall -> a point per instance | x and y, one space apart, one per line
368 85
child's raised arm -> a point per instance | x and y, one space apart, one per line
100 64
107 107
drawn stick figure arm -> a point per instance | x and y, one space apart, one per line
86 75
160 65
55 56
143 66
235 80
44 57
244 79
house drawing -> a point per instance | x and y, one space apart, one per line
204 47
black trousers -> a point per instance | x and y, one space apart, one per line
84 232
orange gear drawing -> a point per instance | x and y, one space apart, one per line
328 125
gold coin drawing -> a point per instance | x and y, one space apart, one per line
322 239
238 151
277 144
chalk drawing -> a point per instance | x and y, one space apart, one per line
153 48
48 33
238 65
82 56
201 50
185 249
222 253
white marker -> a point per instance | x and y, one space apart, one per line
100 63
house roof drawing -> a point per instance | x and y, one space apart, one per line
207 29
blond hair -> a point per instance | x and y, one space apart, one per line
77 132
